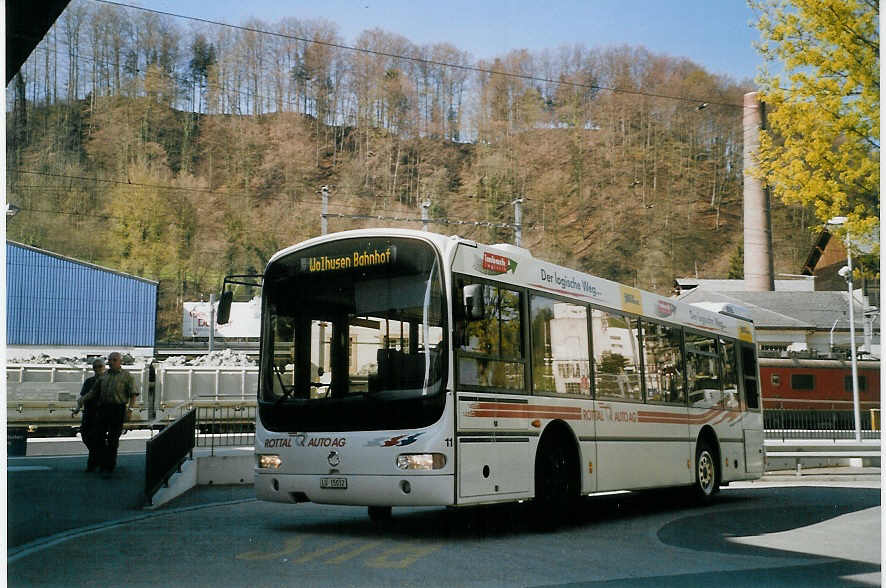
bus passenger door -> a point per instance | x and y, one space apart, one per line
753 418
493 446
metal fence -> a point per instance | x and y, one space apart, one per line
221 424
226 426
819 424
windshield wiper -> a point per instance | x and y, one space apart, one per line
287 391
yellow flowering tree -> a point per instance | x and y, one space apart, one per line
822 144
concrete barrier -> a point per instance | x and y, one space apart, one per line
798 454
226 466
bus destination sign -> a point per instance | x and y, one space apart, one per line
357 259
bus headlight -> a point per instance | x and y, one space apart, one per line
421 461
269 462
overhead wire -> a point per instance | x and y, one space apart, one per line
444 221
237 193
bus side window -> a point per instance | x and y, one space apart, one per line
491 353
703 371
730 375
616 356
559 346
663 363
749 372
459 316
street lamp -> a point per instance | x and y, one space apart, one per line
846 273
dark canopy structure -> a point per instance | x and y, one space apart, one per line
26 25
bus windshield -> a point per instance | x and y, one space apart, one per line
353 337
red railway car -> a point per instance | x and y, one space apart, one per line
818 384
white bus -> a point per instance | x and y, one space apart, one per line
406 368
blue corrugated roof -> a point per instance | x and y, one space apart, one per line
55 300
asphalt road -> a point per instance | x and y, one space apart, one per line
791 533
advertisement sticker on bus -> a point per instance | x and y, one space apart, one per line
664 309
631 300
494 265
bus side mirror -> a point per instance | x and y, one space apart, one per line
224 307
473 300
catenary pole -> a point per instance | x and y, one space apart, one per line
211 322
518 221
424 214
324 192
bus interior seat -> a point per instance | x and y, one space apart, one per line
397 369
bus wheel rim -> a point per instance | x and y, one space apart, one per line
706 472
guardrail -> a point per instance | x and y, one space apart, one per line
799 453
818 424
167 451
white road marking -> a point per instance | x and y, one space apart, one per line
28 468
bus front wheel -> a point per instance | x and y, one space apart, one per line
707 475
556 486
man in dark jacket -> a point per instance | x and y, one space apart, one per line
89 429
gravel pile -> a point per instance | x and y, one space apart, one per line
225 358
79 361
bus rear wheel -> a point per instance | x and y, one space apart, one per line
378 514
707 474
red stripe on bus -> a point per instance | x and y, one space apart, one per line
510 406
517 415
507 410
522 412
666 417
710 414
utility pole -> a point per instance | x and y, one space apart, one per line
425 206
846 273
854 362
211 322
324 192
518 221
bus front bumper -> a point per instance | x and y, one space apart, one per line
358 490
